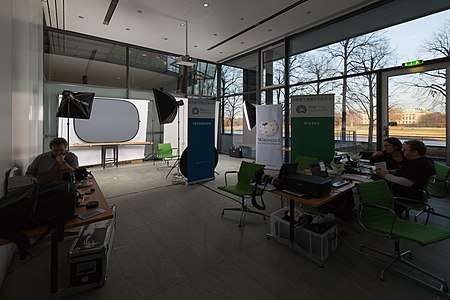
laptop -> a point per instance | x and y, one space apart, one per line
319 169
288 169
50 176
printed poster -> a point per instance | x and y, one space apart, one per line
312 126
269 135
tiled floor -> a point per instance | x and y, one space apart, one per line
172 243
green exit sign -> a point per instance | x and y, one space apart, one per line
412 63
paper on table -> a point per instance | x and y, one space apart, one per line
380 165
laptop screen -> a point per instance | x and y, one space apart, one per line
288 169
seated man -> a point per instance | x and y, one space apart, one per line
413 174
56 159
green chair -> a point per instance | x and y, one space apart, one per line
243 188
376 214
304 161
165 152
439 188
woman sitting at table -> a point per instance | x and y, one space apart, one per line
392 154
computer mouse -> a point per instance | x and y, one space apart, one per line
92 204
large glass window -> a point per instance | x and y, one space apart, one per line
417 109
150 69
80 60
273 66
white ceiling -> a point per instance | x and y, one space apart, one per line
158 27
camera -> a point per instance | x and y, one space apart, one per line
261 178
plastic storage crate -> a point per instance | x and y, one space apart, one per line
319 245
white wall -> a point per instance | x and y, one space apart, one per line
20 91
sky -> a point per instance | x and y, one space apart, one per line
407 38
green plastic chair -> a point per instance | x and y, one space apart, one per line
304 161
439 188
376 214
243 188
165 152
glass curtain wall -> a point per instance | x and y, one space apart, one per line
348 69
238 83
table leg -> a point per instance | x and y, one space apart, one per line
54 263
291 219
116 156
103 156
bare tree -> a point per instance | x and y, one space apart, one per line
318 66
434 119
430 86
439 43
375 55
231 83
345 51
233 106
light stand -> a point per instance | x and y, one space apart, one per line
178 177
76 106
152 155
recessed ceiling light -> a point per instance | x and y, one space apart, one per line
195 46
157 57
215 34
144 54
205 4
165 39
182 24
81 17
242 19
270 29
118 77
140 11
308 12
221 52
242 42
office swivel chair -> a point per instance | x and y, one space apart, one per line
376 214
436 187
243 188
165 152
439 188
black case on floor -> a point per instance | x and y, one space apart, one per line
89 255
235 152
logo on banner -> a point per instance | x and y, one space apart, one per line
269 128
195 111
301 109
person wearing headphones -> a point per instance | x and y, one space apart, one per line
58 158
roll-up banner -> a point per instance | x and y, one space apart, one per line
268 135
312 125
201 150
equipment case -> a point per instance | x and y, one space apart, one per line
89 255
235 152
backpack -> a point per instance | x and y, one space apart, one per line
36 205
